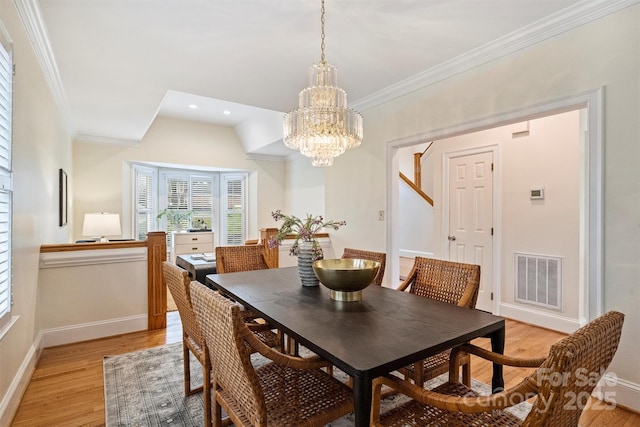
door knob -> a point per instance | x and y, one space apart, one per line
451 238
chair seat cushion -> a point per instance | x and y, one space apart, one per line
416 414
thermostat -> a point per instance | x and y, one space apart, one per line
536 193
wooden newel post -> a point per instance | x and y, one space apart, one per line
156 286
270 255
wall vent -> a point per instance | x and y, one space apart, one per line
539 280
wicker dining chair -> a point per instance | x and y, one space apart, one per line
193 341
178 281
563 383
231 259
381 257
287 391
448 281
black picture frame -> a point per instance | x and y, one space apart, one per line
64 203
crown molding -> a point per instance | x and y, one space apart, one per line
107 140
551 26
36 30
267 157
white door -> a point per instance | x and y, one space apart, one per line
471 218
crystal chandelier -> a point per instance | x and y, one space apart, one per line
322 127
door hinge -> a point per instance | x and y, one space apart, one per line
491 167
491 296
492 231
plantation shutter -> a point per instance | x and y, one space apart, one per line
235 205
202 201
145 201
6 178
178 198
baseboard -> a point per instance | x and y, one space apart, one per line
412 254
619 392
90 331
546 320
11 401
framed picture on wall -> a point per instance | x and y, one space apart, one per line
64 204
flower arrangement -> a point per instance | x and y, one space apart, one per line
304 229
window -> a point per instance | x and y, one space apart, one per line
6 177
201 193
186 192
234 209
145 190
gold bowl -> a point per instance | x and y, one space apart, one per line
345 277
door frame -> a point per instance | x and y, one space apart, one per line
591 234
496 214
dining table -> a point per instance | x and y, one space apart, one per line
386 330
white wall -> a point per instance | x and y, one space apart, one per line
305 189
176 142
415 231
602 53
40 148
106 288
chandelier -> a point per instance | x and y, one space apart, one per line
322 127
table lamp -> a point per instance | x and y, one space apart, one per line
101 225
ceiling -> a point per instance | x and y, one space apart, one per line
116 64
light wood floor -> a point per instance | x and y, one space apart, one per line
67 387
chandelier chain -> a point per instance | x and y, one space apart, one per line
322 33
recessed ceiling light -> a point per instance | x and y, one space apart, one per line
193 106
226 112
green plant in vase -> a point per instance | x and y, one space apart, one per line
176 217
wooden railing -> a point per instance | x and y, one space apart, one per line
416 184
416 189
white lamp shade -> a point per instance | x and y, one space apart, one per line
101 224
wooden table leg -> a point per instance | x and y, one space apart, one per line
362 399
497 346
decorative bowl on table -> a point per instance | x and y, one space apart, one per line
345 277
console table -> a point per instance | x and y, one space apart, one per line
197 268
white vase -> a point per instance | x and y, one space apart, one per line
305 269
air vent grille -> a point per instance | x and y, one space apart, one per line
539 280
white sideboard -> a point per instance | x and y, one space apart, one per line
196 242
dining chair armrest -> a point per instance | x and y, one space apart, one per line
526 389
457 353
314 362
408 281
497 357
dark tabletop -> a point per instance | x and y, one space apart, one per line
386 330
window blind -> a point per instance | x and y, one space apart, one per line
202 201
234 203
145 202
6 179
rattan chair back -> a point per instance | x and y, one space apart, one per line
231 259
233 374
178 283
177 280
572 370
448 281
381 257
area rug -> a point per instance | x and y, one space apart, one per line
145 388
